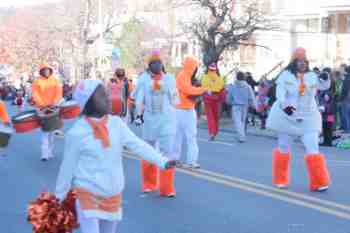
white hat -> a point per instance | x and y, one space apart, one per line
84 90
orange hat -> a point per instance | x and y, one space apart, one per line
44 66
299 53
154 56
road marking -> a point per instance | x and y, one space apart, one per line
272 189
273 195
216 142
338 161
324 206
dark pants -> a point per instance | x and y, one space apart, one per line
327 133
345 113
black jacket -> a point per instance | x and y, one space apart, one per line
345 92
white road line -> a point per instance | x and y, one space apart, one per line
272 189
261 192
284 195
216 142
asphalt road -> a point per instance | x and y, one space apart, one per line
232 193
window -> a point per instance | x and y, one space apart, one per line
313 25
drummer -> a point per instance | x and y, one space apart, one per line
5 119
47 92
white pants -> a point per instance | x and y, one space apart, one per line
2 152
47 145
186 126
239 116
95 225
310 141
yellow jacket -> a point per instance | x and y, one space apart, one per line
213 82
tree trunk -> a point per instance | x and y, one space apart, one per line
86 30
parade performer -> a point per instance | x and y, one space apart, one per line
92 163
186 119
213 99
19 100
156 97
295 113
47 92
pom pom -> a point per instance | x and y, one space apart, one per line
48 215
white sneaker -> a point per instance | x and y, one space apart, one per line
281 186
58 134
44 158
322 189
191 166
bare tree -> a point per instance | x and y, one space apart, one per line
222 27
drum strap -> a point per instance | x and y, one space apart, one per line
100 130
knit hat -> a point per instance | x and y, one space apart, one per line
84 90
154 56
299 53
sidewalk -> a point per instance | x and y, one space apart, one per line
226 126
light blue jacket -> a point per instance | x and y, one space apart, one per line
240 93
86 164
159 125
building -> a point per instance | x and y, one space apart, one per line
321 26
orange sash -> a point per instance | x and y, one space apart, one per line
156 83
90 201
100 130
302 84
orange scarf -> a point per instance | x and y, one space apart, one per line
302 84
100 130
156 84
90 201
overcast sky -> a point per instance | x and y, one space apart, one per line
23 2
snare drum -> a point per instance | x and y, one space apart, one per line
50 119
5 135
26 121
69 110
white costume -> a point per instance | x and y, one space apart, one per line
158 110
156 101
306 120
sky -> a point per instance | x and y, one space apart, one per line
19 3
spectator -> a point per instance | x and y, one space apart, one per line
327 108
240 97
338 81
317 70
263 101
253 84
345 101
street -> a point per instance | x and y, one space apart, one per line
232 193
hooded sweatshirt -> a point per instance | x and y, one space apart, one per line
46 91
184 84
240 93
